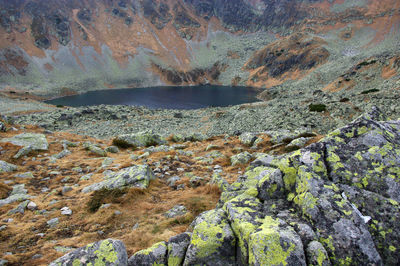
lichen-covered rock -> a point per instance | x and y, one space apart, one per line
297 143
317 255
135 176
23 152
286 136
112 149
141 139
248 138
19 193
241 158
218 180
108 252
275 243
177 246
245 215
7 167
383 226
94 149
373 162
155 255
177 210
335 202
213 241
37 142
271 185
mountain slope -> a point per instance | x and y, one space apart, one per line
51 48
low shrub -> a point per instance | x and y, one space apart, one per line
369 91
317 107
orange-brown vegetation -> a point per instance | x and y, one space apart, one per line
88 222
290 58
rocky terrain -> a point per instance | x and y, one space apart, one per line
266 198
49 49
307 176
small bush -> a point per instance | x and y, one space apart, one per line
369 91
60 106
121 144
102 196
366 63
344 100
317 107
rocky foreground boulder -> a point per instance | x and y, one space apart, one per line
335 202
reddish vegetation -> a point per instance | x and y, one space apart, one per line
290 58
194 76
15 60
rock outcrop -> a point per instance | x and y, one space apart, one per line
333 202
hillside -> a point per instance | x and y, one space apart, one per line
53 48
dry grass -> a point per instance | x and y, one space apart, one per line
136 206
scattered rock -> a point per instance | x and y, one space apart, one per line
20 208
24 175
65 190
112 149
135 176
7 167
196 181
241 158
32 206
18 194
172 180
23 152
141 139
248 139
177 210
107 162
95 150
37 142
86 177
53 222
62 154
66 211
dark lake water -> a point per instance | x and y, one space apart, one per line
191 97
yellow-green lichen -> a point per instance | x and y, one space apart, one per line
105 253
265 246
209 235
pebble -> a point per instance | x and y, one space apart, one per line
32 206
66 211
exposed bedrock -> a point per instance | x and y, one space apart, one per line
335 202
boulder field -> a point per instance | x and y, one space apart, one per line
334 202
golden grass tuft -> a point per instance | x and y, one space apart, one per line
4 191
